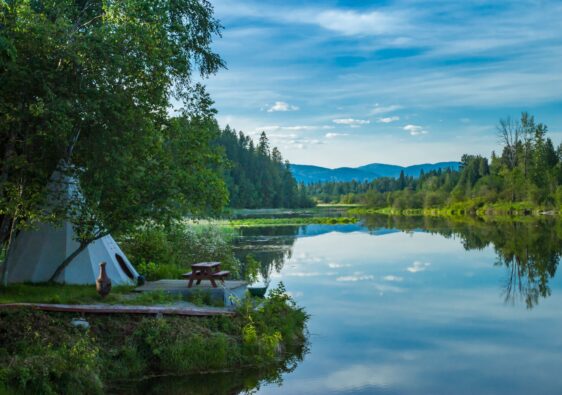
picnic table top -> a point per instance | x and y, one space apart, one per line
205 264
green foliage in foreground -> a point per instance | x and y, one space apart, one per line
91 82
237 223
158 252
43 353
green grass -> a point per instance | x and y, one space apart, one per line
42 352
58 293
501 209
247 222
84 294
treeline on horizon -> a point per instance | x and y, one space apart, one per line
529 170
256 174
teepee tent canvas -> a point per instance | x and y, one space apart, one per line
35 254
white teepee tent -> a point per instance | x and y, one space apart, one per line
35 254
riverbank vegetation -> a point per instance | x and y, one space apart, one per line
288 221
168 251
43 353
526 177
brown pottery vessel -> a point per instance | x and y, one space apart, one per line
103 283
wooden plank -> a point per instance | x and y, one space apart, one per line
205 265
118 309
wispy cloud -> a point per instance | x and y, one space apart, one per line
282 106
354 123
388 119
298 143
355 278
278 127
392 278
455 59
338 265
353 23
378 110
334 135
415 130
418 266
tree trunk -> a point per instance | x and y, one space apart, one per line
68 260
71 257
5 264
9 151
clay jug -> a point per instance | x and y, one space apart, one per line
103 283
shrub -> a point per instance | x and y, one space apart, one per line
51 369
160 252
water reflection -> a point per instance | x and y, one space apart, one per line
529 249
271 246
226 383
411 305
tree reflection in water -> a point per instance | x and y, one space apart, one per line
529 248
226 383
271 246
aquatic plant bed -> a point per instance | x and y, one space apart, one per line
238 223
119 309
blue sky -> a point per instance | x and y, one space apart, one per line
346 83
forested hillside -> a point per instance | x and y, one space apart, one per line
257 176
313 174
528 172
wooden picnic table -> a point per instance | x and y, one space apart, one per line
206 271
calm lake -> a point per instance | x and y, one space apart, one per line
409 305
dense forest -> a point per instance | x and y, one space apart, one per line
257 176
529 171
86 89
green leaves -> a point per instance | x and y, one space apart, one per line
93 79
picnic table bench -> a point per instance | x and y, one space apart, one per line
206 271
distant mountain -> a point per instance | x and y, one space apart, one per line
309 174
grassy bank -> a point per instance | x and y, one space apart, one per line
86 294
246 222
43 353
517 209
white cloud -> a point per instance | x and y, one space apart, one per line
303 274
282 106
351 23
299 143
354 123
355 277
299 127
392 278
389 119
296 128
415 130
334 135
338 265
384 109
356 377
418 266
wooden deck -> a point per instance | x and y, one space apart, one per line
181 285
120 309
